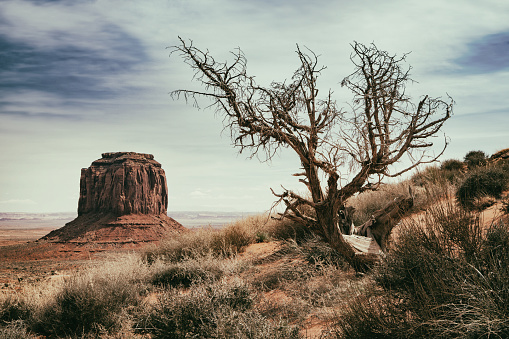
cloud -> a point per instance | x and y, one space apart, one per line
53 50
487 54
18 202
199 193
68 71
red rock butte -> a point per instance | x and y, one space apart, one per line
123 199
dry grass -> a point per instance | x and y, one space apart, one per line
370 201
444 278
225 242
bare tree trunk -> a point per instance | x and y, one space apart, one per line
380 226
358 260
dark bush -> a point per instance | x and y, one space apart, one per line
86 306
187 272
482 182
12 308
452 165
475 159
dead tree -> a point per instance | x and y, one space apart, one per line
341 152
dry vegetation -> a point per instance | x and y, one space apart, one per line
445 276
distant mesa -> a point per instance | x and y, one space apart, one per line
123 199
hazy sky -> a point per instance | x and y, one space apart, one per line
80 78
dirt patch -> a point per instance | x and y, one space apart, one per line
16 236
261 250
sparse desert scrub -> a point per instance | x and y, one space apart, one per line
443 278
93 301
219 310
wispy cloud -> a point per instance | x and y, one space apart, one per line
59 51
18 202
487 54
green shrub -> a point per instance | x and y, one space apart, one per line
475 159
482 182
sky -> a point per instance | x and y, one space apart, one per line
79 78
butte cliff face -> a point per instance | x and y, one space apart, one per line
123 199
123 183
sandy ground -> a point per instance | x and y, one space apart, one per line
15 236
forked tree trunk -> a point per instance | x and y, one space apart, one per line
328 227
370 237
380 226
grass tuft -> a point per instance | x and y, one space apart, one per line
15 330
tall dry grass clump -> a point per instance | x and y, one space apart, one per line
15 330
224 242
189 271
